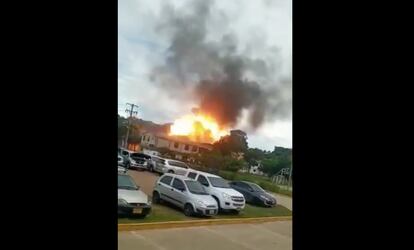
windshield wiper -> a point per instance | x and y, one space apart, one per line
128 187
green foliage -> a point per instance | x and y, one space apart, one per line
232 164
273 165
231 143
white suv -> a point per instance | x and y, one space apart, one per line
163 166
226 197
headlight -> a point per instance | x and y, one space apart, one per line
149 201
200 203
226 196
132 161
122 202
264 197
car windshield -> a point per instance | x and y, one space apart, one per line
257 188
195 187
126 182
138 155
219 182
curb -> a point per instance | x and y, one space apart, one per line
195 223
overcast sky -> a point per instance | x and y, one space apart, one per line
141 47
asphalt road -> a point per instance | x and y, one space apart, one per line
270 235
146 180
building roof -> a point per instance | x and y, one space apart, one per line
180 139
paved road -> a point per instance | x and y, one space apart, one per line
146 180
270 235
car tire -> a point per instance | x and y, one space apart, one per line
188 210
236 212
218 204
156 199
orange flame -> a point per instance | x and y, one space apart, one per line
198 127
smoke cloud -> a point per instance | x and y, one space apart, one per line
222 78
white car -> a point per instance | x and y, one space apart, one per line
131 200
163 166
227 198
185 193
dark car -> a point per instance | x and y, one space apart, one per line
254 194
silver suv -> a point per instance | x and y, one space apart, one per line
163 166
185 193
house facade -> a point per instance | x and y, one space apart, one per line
177 145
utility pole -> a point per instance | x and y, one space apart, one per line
290 178
131 112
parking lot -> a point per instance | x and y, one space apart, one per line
270 235
146 180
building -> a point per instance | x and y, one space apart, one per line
256 170
179 145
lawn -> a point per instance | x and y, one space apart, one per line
262 181
166 212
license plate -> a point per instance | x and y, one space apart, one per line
137 210
211 212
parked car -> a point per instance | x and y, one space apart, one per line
185 193
254 194
163 166
122 169
227 198
131 200
121 161
135 160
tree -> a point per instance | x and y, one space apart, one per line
253 155
231 143
212 160
232 164
271 166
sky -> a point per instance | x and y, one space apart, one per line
258 26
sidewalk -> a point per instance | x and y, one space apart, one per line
283 200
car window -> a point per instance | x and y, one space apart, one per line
178 184
195 187
159 160
256 188
244 185
166 180
192 175
178 164
219 182
126 182
203 180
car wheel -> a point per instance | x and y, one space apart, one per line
188 210
156 198
218 203
236 212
